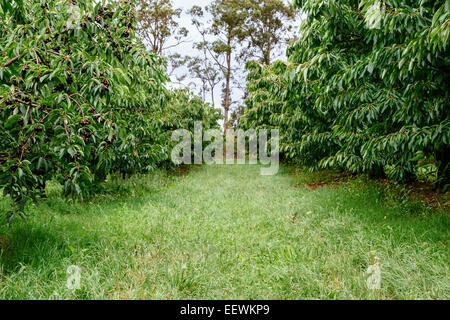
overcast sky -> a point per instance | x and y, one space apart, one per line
185 21
194 36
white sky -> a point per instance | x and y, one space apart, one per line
185 21
194 36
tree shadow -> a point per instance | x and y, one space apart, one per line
55 229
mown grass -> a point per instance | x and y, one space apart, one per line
225 232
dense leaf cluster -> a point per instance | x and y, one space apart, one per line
81 98
365 88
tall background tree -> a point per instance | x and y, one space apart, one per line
157 24
267 26
221 40
207 73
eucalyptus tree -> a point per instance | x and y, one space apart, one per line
268 25
157 25
206 72
221 39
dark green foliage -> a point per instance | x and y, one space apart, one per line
365 88
81 98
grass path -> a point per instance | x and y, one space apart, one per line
223 232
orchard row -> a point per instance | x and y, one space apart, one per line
365 89
81 98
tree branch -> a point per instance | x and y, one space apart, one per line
11 61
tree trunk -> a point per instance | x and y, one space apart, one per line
443 163
377 172
227 104
227 87
204 89
267 54
212 96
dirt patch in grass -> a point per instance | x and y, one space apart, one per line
4 241
182 170
421 191
424 192
324 178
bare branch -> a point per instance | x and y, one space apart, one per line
11 61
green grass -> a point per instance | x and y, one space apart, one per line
224 232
